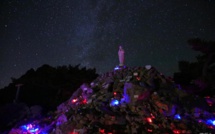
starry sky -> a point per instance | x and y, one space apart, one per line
63 32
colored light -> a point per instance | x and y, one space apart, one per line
24 128
34 130
213 122
84 101
210 122
176 131
152 115
138 78
177 116
114 102
116 68
30 128
211 127
101 130
149 130
74 100
114 93
74 133
149 120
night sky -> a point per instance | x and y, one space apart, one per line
63 32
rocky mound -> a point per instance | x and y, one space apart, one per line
131 101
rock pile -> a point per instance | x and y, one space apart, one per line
137 100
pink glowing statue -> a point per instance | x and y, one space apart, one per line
121 53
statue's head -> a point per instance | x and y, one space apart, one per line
120 47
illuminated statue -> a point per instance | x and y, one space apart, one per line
121 53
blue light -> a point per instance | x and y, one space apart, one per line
30 128
116 68
119 67
114 102
177 116
24 128
210 122
34 130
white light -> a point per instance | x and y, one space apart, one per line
213 122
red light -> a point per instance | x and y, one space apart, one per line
149 130
138 78
152 116
149 120
84 101
211 127
114 93
102 131
74 133
176 131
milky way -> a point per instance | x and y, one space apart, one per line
155 32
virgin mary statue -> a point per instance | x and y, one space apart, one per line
121 53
